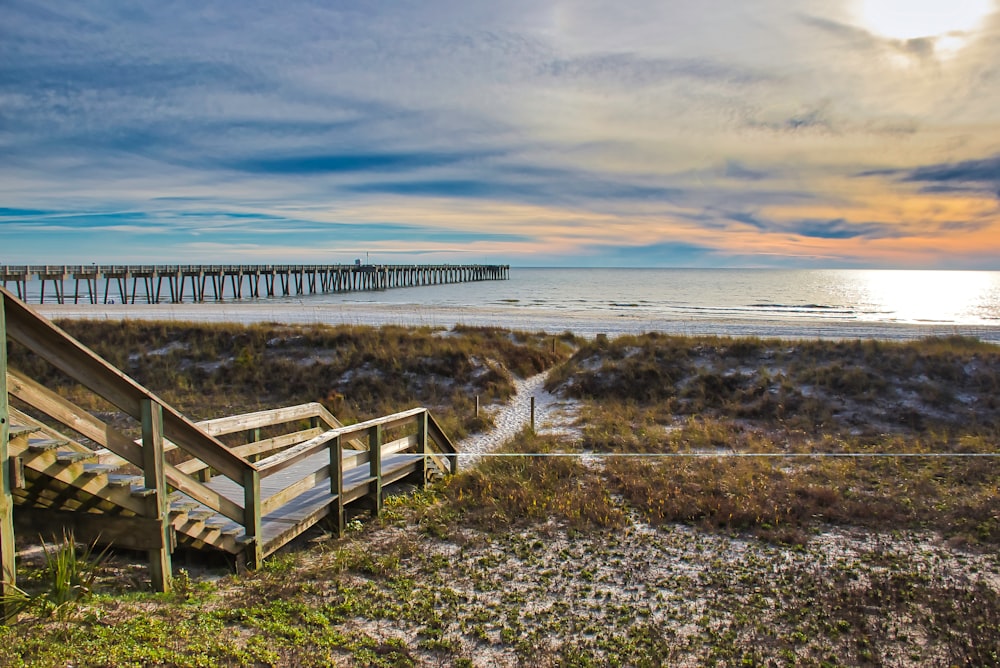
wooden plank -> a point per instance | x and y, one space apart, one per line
297 528
422 437
86 485
130 533
283 460
337 481
203 494
50 403
158 504
79 420
252 518
386 422
375 466
401 444
281 498
193 466
356 460
444 444
80 363
268 418
8 570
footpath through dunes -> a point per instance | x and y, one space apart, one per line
553 415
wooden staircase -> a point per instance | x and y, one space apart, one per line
178 484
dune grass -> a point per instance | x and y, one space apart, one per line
597 562
209 370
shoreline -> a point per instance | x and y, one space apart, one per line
515 318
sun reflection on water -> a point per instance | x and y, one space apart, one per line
928 296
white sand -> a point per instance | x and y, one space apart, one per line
520 318
552 416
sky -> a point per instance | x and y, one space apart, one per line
673 133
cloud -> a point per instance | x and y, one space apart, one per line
691 130
985 171
841 229
968 176
354 162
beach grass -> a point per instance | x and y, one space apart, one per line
600 560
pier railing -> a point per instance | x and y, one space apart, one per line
197 283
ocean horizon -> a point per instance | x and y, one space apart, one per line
794 303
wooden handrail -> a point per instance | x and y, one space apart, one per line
364 440
313 478
295 454
444 444
267 445
108 437
268 418
75 360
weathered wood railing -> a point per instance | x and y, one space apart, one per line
159 421
429 443
198 446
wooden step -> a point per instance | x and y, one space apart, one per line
44 444
124 480
17 430
183 506
201 514
72 456
98 469
143 492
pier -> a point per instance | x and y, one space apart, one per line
153 284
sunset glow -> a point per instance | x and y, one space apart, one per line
851 133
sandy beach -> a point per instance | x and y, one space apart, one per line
520 318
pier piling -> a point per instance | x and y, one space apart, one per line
220 282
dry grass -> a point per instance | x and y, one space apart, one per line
567 562
209 370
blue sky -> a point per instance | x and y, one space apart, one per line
788 133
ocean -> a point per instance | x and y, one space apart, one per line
889 304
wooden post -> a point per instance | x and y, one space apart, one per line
477 405
8 572
251 517
157 504
337 482
422 442
375 466
532 415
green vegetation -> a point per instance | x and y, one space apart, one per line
65 579
625 561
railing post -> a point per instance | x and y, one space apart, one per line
422 444
158 503
375 466
337 481
251 517
8 572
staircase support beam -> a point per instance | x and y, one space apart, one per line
252 518
375 468
157 504
8 572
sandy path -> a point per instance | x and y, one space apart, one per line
552 415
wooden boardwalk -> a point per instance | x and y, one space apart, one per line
298 513
178 483
153 284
